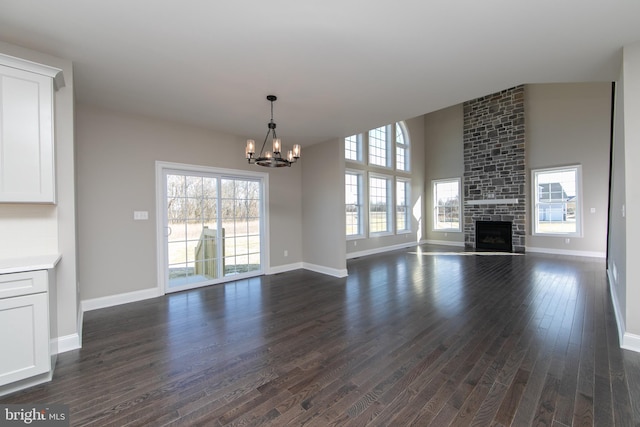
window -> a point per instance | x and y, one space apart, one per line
213 225
557 207
379 149
402 149
446 204
353 148
403 202
353 203
379 204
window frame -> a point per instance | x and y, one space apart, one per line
359 151
361 197
388 153
579 213
404 145
390 205
407 205
434 223
396 137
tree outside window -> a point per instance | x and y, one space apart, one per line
446 204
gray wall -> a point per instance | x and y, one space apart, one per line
625 201
116 175
444 158
631 112
617 261
323 216
570 124
28 229
565 124
624 231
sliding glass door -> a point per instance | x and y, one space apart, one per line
213 227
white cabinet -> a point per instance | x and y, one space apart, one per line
27 156
25 337
27 329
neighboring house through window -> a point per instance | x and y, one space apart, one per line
556 202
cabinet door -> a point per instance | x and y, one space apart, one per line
24 336
26 137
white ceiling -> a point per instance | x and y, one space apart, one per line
337 67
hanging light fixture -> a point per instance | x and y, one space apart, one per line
272 158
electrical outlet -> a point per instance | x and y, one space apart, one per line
286 252
567 240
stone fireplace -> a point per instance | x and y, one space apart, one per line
494 164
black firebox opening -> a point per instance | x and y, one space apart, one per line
493 235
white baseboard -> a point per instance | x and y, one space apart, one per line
26 383
631 342
325 270
443 243
113 300
367 252
616 307
72 341
285 268
628 341
590 254
68 343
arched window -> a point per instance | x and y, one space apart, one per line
377 190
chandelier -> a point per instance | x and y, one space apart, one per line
272 158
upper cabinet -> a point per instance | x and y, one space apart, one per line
27 150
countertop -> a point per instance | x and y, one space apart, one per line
31 263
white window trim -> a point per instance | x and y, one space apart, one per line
360 150
435 204
390 205
406 146
579 210
390 148
364 217
407 181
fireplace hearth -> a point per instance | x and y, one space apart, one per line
493 235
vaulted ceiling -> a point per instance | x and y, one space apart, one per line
337 67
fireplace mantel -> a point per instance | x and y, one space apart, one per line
492 202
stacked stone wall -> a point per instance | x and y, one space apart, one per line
494 163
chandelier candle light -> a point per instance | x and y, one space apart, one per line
269 159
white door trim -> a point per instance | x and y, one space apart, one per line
161 250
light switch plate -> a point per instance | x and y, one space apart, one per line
140 215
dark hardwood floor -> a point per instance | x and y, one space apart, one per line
411 337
